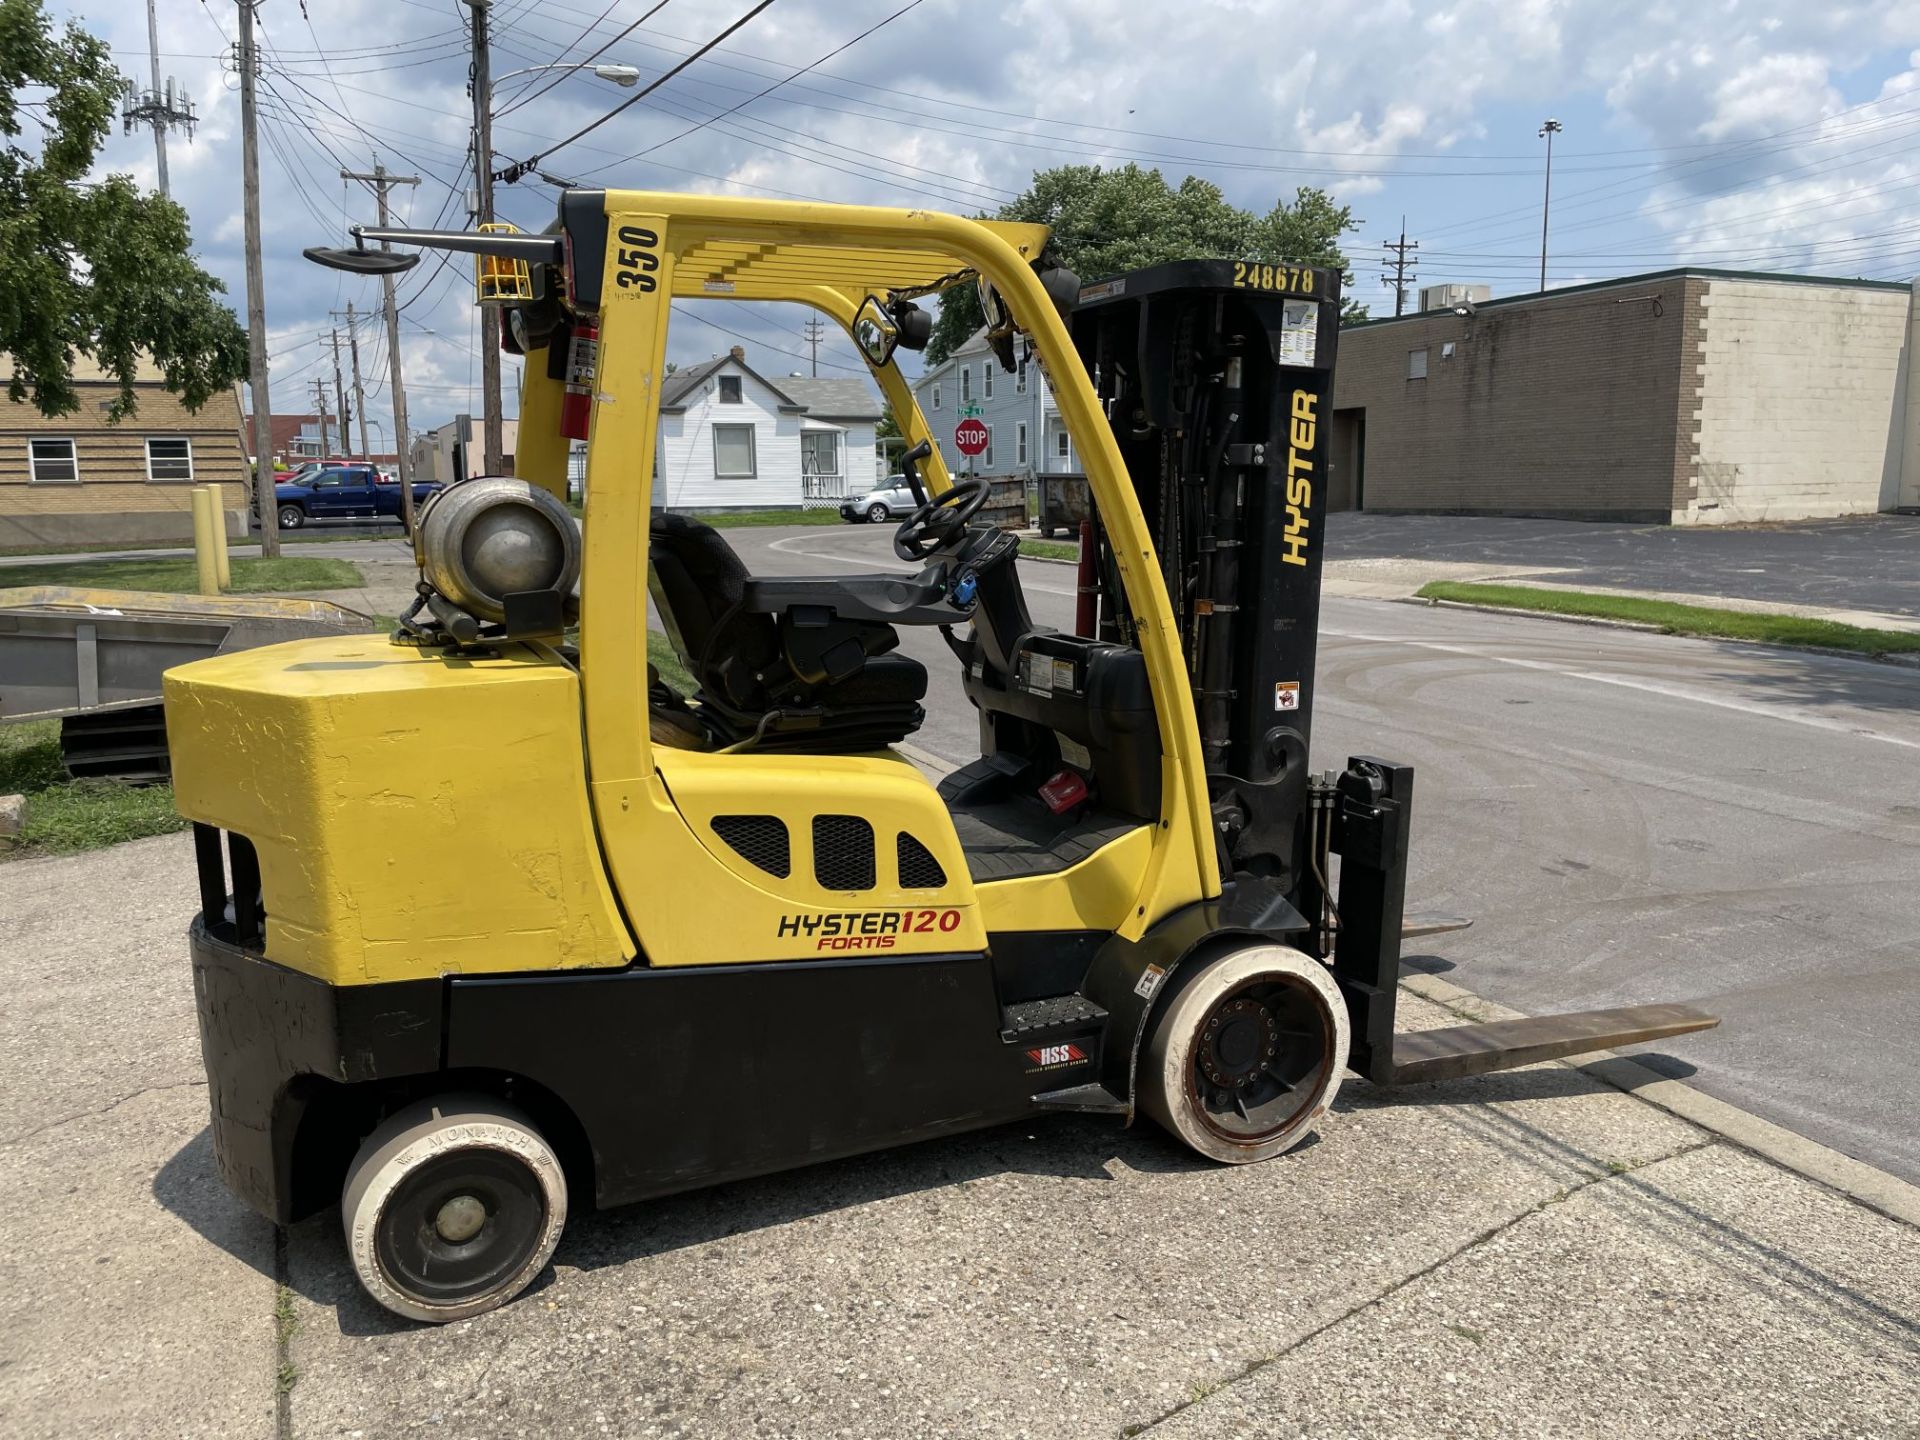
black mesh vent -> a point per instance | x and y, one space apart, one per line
842 852
918 869
760 839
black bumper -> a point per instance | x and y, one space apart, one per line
274 1040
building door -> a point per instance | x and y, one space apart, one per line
1347 461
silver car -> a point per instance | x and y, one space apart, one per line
881 505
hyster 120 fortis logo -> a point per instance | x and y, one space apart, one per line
866 929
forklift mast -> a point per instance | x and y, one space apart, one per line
1217 378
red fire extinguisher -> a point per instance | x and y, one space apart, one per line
583 356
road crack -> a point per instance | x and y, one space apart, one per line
114 1104
1468 1247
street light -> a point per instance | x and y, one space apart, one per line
626 76
1548 130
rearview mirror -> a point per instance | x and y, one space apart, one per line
874 332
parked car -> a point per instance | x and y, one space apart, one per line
343 492
878 506
287 474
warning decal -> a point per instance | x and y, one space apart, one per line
1286 694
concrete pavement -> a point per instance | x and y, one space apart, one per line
1533 1253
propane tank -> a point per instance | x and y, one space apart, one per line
494 536
583 356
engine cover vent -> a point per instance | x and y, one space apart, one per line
842 852
759 840
918 869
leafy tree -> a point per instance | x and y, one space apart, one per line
92 266
1108 221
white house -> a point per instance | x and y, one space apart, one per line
1025 434
732 439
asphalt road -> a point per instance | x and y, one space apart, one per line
1629 818
1867 562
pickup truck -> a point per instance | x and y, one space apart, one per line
343 492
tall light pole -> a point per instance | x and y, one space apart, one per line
1549 130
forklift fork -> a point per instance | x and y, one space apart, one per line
1368 809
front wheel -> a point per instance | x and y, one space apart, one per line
292 517
1247 1054
878 514
452 1207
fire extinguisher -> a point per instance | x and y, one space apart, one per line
583 355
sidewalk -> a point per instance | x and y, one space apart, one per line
1533 1253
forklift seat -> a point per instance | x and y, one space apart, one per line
751 665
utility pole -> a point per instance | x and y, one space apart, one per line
163 109
1549 130
1401 250
320 402
813 333
382 182
359 395
480 82
263 491
340 396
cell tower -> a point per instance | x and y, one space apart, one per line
164 108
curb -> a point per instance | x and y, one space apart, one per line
1904 662
1878 1191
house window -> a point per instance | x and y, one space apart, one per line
730 390
733 452
820 452
986 455
1417 364
1020 379
966 384
170 459
1063 447
1020 442
52 462
986 380
936 394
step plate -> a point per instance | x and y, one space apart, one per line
1460 1050
1032 1017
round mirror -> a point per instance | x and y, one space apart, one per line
994 309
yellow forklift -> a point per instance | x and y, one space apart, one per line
495 922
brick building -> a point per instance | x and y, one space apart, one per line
1685 397
79 480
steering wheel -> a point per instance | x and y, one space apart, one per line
939 522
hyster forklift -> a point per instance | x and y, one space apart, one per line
495 921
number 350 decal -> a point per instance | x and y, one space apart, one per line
636 259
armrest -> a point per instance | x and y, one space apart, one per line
881 599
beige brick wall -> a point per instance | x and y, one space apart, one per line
1797 409
1564 407
113 500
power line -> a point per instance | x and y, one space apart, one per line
514 171
527 98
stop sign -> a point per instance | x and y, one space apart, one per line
970 436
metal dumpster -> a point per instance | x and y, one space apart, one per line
1064 503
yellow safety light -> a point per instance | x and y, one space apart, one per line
498 280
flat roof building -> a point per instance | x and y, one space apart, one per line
1681 397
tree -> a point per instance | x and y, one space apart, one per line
1105 222
92 267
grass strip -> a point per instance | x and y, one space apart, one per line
1677 619
65 816
179 576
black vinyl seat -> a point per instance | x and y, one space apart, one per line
751 681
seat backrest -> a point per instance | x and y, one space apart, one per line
701 583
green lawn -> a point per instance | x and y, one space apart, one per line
179 576
667 661
1677 619
64 815
1049 550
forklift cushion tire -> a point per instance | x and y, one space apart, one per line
1247 1054
452 1207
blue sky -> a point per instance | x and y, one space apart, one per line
1728 133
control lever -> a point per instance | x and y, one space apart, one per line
910 470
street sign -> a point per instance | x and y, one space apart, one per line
969 410
970 436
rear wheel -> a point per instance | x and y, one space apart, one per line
452 1207
878 513
1247 1055
292 517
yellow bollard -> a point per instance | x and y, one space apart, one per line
203 542
223 563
